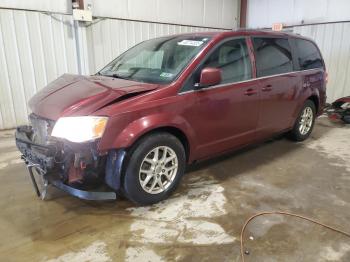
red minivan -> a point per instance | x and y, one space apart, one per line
132 128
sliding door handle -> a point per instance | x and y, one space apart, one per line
267 88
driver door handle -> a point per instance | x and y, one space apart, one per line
250 92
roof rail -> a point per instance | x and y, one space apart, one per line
252 29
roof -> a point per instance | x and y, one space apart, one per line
246 32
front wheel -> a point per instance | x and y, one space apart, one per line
346 119
154 167
304 123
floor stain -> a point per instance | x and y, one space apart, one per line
202 220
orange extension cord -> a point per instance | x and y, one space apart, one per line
286 214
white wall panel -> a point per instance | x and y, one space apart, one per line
58 6
110 37
193 13
14 70
203 13
332 38
263 13
35 48
334 42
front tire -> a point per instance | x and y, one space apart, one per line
346 119
154 167
304 123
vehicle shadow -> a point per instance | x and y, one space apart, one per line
221 168
252 157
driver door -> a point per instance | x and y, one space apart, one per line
225 116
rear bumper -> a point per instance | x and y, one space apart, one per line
41 158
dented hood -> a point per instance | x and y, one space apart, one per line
74 95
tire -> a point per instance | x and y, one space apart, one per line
297 133
157 173
346 119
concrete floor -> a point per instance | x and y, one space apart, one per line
203 219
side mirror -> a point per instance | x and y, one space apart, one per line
210 76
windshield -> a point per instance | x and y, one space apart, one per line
158 60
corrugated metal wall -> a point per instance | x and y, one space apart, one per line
110 37
263 13
202 13
35 48
329 26
334 41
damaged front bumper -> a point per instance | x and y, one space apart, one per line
57 164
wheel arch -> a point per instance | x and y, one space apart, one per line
159 122
177 132
117 157
314 98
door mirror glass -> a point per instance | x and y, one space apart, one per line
210 76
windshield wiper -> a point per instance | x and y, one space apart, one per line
119 76
113 75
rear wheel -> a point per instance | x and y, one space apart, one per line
304 123
154 168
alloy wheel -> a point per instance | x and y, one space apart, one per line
306 120
158 170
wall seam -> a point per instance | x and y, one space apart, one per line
20 66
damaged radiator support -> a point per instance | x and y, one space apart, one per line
76 169
50 180
30 167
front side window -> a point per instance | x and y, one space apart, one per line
232 57
158 60
308 55
273 56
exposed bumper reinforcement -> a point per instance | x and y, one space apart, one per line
87 195
82 194
41 158
48 180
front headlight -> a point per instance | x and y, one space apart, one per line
80 129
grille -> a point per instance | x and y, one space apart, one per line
41 128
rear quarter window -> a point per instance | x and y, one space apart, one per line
308 55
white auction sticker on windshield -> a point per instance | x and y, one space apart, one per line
165 74
190 43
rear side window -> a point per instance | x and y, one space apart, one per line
308 55
273 56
